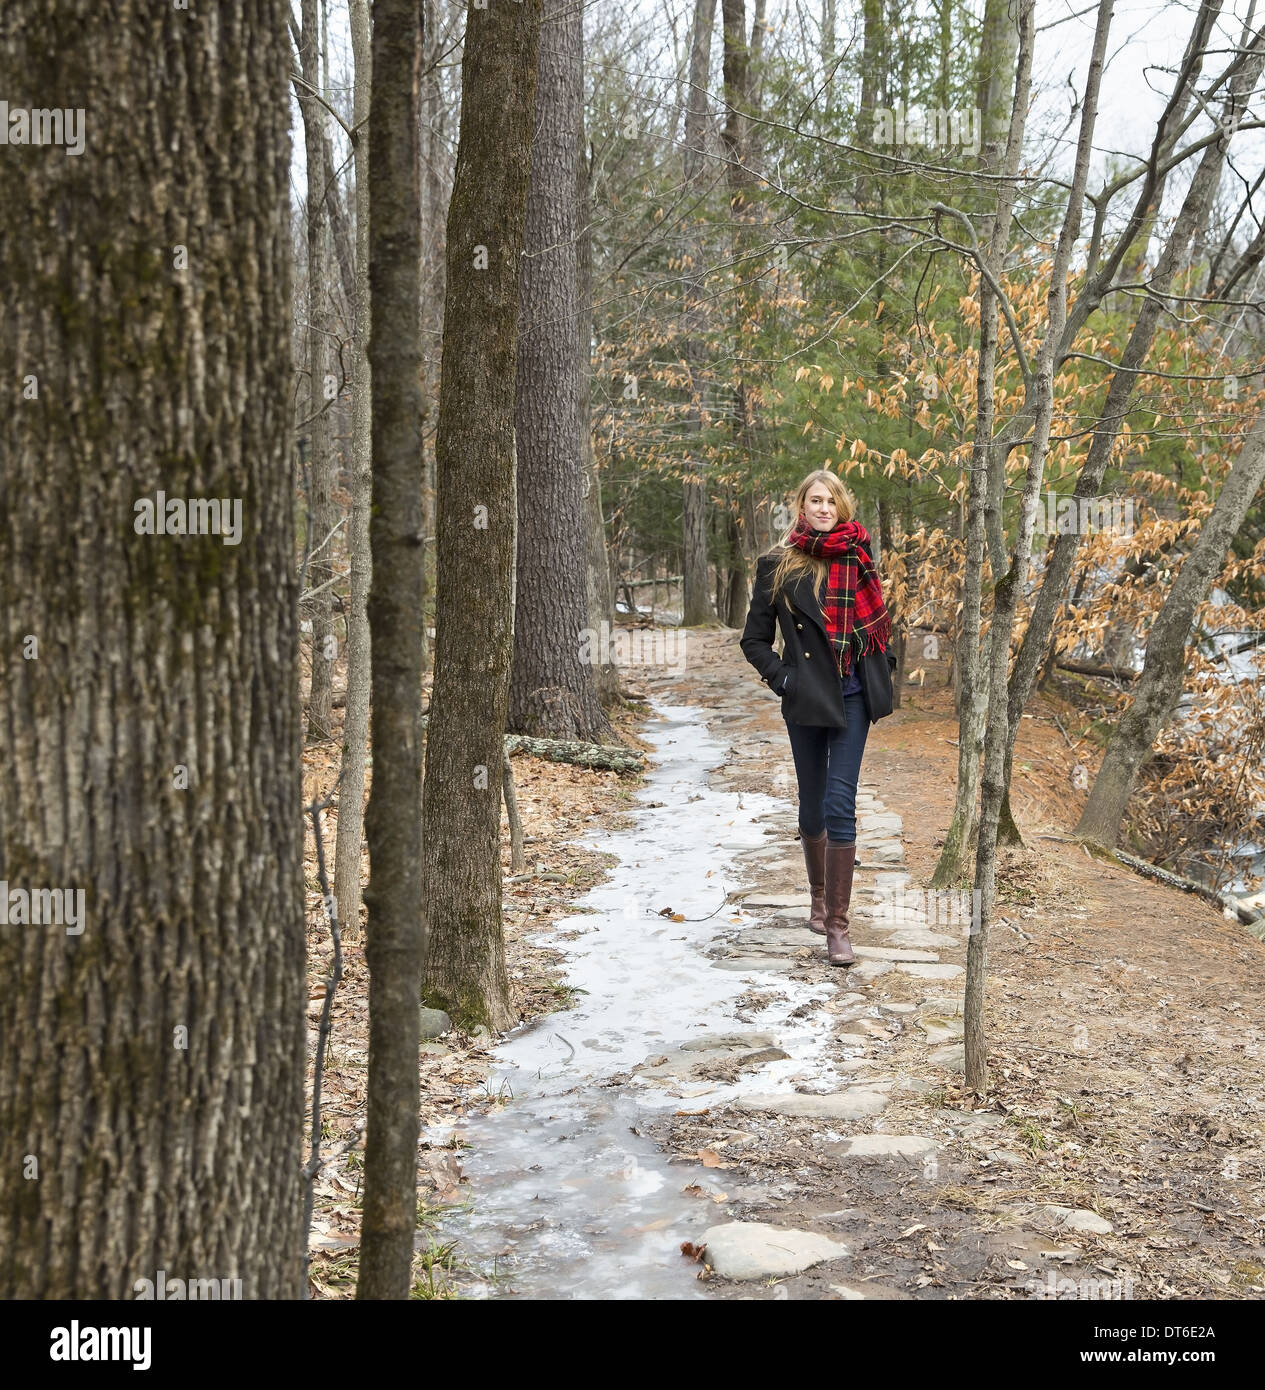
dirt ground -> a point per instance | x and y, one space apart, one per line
1126 1025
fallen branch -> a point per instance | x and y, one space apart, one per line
1246 915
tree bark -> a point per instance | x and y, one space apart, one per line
1159 687
396 937
553 692
465 966
151 1077
351 785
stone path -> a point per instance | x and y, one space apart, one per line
891 1025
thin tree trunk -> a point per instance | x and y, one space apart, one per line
553 693
475 466
600 593
151 1073
434 215
320 460
396 938
696 605
1160 685
1008 588
351 786
970 681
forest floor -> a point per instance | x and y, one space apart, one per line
1120 1139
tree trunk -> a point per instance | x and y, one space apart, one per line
553 692
465 966
970 680
434 215
396 937
351 785
1160 685
151 1075
1009 587
737 596
696 606
322 516
598 587
873 76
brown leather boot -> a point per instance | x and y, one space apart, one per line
815 863
840 862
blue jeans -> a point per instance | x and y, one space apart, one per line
828 768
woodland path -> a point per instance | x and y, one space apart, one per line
804 1128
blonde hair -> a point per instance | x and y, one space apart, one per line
793 561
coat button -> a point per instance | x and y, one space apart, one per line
800 626
808 656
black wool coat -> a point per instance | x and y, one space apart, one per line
805 676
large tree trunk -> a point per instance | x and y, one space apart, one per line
151 1074
696 604
465 967
396 937
552 689
1160 685
351 786
322 516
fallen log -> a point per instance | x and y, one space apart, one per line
1247 916
602 757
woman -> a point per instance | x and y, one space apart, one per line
834 677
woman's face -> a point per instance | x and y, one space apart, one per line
820 510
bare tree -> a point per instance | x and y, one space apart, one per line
1008 586
1001 150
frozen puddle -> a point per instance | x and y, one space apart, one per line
568 1201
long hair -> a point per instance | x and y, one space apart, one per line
793 561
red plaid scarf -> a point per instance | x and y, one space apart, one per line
853 603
